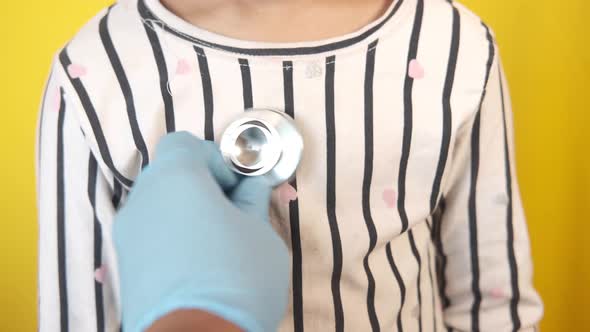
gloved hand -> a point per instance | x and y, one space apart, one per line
183 243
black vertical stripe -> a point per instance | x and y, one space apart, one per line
92 118
331 193
61 218
293 205
447 114
430 229
444 150
408 110
432 291
441 256
509 225
407 141
98 295
419 281
367 179
473 225
163 73
207 93
287 84
247 83
125 87
117 193
472 209
400 282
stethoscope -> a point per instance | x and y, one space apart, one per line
263 142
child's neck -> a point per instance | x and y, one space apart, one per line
279 20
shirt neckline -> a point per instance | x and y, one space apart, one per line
153 11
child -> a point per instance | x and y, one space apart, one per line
408 214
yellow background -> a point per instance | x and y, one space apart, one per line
546 52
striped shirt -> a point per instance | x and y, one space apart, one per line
408 215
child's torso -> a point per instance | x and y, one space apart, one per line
376 110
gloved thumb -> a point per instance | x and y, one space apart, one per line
252 196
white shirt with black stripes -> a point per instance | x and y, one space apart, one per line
408 215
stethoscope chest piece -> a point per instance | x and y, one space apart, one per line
263 142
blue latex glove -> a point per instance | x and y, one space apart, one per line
183 243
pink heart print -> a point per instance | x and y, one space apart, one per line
183 67
415 70
497 293
389 198
100 274
287 193
76 71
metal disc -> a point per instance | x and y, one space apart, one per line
263 142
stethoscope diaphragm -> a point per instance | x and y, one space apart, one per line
263 142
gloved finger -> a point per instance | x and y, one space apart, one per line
226 178
175 142
187 149
252 195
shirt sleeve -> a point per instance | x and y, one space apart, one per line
485 264
75 199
